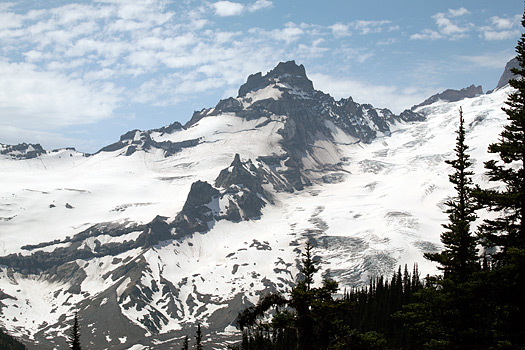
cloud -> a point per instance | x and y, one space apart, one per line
51 100
448 26
394 98
501 28
340 30
259 5
490 60
426 34
49 140
227 8
366 27
459 12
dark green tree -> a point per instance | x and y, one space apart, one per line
185 343
507 231
198 338
301 300
74 337
459 259
504 277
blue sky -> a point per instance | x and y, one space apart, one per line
81 73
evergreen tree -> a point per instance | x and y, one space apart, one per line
198 338
301 300
503 279
508 230
185 344
459 259
74 338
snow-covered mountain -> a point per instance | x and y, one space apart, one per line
191 223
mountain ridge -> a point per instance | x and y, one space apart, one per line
167 234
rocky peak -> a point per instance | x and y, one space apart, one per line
288 73
451 95
22 150
507 74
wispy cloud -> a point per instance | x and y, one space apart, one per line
395 98
226 8
490 60
362 27
448 25
501 28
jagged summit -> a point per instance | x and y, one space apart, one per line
288 73
451 95
507 74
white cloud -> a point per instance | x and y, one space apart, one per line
227 8
501 28
50 100
448 26
340 30
49 140
394 98
366 27
459 12
490 60
426 34
259 5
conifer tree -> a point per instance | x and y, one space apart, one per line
301 300
74 338
508 230
185 344
459 259
504 278
198 338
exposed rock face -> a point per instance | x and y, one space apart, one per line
199 211
507 74
451 95
22 150
288 73
238 174
135 140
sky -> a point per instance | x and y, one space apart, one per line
82 73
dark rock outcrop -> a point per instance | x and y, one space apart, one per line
285 72
22 150
507 74
197 214
451 95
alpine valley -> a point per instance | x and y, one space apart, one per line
188 224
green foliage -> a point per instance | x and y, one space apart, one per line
313 319
7 342
508 229
460 257
74 337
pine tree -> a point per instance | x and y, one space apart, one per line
198 338
301 300
459 259
504 277
508 230
185 344
74 338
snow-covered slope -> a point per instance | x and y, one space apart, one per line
185 224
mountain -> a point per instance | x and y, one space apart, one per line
192 223
507 74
